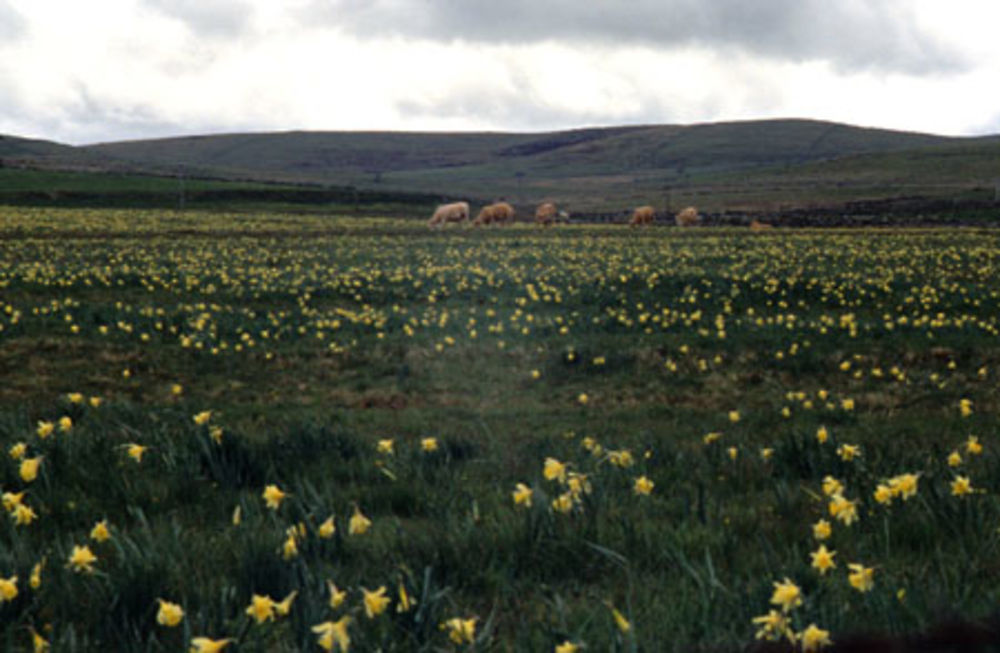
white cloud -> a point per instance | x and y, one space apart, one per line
117 69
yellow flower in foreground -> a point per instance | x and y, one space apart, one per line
844 510
8 589
290 548
814 638
972 446
965 407
261 608
954 459
100 532
847 404
81 558
45 429
177 389
904 485
848 452
385 446
237 515
822 435
75 397
18 450
832 486
333 633
283 607
734 416
169 614
23 515
135 451
643 486
206 645
822 559
522 495
582 398
202 418
337 597
553 470
460 631
787 595
12 500
773 626
65 423
359 524
38 643
429 445
567 647
860 577
711 437
623 624
35 580
29 468
375 601
273 496
563 503
961 486
215 432
327 528
406 602
95 402
883 494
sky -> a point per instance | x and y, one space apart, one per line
107 70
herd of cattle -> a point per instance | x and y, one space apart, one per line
548 214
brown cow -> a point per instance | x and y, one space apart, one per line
757 225
499 212
642 215
546 214
687 218
454 212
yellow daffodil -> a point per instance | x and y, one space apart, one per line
23 515
567 647
82 559
38 643
787 595
860 577
202 418
904 486
965 407
822 559
8 589
18 450
337 597
621 622
35 580
135 451
822 435
429 445
284 606
100 532
711 437
45 429
65 424
261 608
206 645
848 452
972 446
385 446
358 524
215 432
734 416
522 495
333 633
773 626
563 503
460 631
29 468
844 510
375 601
954 459
643 486
814 638
327 528
553 470
883 494
237 517
582 398
832 486
169 614
405 602
273 496
961 486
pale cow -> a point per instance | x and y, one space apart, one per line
499 212
546 214
688 217
643 215
454 212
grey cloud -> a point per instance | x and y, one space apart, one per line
877 35
211 18
12 25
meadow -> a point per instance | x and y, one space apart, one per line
278 432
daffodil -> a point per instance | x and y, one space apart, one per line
8 589
623 624
261 608
567 647
202 418
773 626
327 528
429 445
206 645
553 470
961 486
965 407
65 424
643 486
375 601
843 509
35 580
23 515
822 559
522 495
18 450
822 435
954 459
734 416
82 559
972 446
405 602
814 638
333 633
284 606
460 631
45 429
904 486
860 577
135 451
38 643
787 595
337 596
848 452
385 446
100 532
358 524
711 437
169 614
29 468
273 496
832 486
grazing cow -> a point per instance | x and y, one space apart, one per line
563 217
546 214
642 215
687 218
499 212
454 212
757 225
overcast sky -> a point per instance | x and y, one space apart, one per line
84 72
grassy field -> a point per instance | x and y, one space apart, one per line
528 439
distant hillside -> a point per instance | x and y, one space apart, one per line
16 147
592 169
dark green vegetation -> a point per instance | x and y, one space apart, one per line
767 167
311 339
